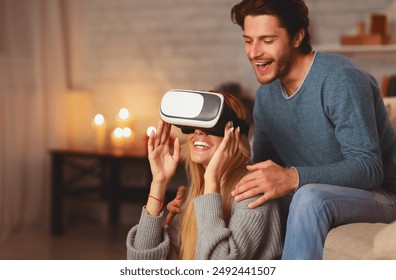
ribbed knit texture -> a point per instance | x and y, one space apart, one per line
251 233
334 129
148 241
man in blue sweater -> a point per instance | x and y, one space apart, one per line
321 138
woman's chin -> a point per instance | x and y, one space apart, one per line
200 159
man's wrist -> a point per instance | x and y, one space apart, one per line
295 178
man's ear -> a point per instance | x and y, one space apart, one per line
298 38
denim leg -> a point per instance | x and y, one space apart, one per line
316 208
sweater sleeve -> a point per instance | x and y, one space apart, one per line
262 147
350 105
148 240
250 234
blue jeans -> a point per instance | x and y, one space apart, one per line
316 208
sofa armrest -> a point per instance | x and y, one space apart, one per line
385 243
352 241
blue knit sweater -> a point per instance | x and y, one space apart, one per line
334 129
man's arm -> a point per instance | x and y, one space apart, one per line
351 110
266 178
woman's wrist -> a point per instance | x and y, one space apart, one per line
159 182
211 186
156 198
154 205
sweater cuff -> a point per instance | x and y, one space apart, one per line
298 178
149 231
303 175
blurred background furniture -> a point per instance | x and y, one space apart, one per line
88 175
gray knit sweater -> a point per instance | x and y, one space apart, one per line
250 234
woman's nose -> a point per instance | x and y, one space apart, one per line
199 132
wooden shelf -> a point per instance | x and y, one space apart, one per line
356 49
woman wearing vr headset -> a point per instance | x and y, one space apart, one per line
211 224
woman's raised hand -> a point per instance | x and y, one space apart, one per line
224 155
163 154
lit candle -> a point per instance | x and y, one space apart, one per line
149 130
126 132
128 137
99 125
117 139
124 118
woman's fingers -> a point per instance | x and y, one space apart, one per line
227 135
176 149
237 134
162 134
166 133
150 143
231 136
159 133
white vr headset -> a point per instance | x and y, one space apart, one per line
190 109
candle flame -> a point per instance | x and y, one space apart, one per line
118 132
123 114
126 132
150 129
99 119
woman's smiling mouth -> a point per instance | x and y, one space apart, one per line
201 144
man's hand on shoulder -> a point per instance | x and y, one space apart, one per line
266 178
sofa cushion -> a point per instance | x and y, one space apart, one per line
385 243
352 241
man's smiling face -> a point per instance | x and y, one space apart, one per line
267 46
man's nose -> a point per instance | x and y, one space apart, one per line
255 50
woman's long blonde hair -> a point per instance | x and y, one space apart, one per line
195 173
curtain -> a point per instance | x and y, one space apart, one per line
32 109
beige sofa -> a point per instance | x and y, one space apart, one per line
361 241
364 241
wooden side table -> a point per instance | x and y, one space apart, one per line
114 177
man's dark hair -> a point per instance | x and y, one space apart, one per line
292 14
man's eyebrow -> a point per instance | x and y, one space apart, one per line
261 37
